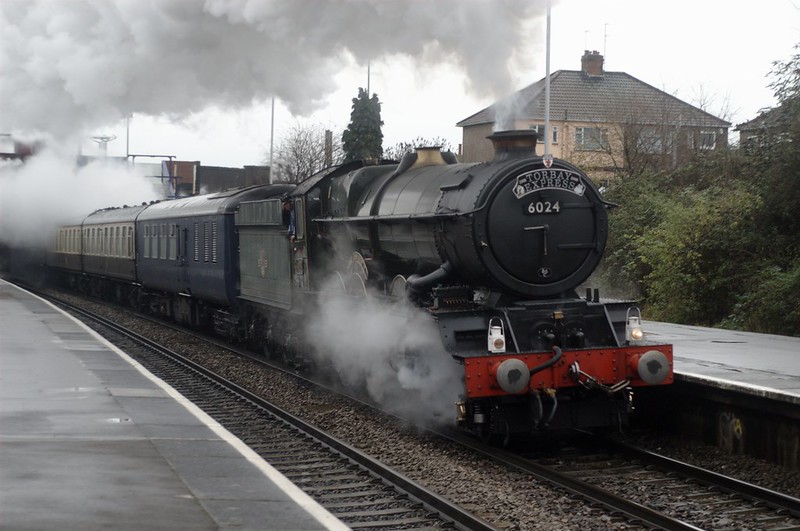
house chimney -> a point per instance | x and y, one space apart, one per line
592 63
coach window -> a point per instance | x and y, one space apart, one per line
162 240
299 222
153 241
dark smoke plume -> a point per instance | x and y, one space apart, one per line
69 66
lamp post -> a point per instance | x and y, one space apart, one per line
548 157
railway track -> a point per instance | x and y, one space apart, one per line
671 495
359 490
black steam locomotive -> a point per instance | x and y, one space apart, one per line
491 252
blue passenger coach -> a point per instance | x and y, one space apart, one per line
189 246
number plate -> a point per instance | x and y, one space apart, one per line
543 207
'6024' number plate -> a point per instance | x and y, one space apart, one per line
544 207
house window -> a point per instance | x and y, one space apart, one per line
650 141
702 140
708 139
539 128
590 138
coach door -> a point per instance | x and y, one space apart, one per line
182 246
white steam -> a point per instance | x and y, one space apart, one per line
508 110
371 344
49 189
70 66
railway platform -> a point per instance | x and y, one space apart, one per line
762 365
90 440
739 391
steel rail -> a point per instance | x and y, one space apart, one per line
635 512
753 492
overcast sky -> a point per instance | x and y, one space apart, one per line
67 65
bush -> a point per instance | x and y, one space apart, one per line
770 306
700 256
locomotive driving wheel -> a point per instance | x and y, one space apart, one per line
358 266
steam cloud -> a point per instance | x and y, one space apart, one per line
366 339
68 66
50 190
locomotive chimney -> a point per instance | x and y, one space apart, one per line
514 144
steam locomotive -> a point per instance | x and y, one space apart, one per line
491 252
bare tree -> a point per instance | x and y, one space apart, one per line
708 103
397 151
645 134
305 150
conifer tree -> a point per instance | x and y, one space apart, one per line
363 138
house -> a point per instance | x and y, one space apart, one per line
601 121
770 125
